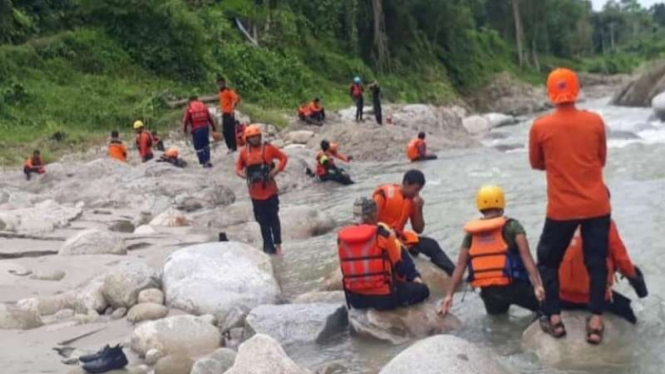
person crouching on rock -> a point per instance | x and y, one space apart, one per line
496 251
117 150
574 277
326 170
376 272
256 165
417 149
312 113
172 156
399 204
198 117
34 164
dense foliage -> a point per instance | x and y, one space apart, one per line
97 64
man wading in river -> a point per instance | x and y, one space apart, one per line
570 146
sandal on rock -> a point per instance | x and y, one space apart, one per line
551 329
591 332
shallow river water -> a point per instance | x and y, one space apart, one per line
635 174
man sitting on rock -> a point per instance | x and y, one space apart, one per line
377 272
497 254
326 170
34 164
399 204
574 277
172 156
417 149
312 113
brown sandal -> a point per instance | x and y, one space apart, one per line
551 329
591 332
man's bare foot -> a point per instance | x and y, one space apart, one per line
278 250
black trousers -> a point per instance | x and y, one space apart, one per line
405 294
430 248
266 213
619 305
360 104
426 158
28 171
336 175
229 131
148 157
552 247
498 299
378 113
319 116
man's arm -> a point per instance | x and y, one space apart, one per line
275 153
417 219
240 165
530 265
602 147
536 156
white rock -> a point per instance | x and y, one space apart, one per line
443 353
64 314
226 280
152 356
334 297
123 283
145 230
174 364
188 335
118 313
152 295
574 353
403 324
298 323
477 125
146 312
499 119
218 362
13 318
298 137
94 242
263 355
48 275
169 218
42 218
302 222
658 106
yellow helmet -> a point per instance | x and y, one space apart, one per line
490 197
138 125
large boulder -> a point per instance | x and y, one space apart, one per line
123 283
298 137
263 355
226 280
146 312
151 295
302 222
298 323
88 297
186 335
13 318
658 105
574 353
174 364
641 91
444 354
94 242
505 94
218 362
403 324
44 217
477 125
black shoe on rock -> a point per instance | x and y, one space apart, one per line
94 356
113 359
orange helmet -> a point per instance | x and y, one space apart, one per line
252 130
171 153
333 147
563 86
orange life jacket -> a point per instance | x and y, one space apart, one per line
412 150
199 115
304 111
320 168
240 134
489 263
117 151
366 267
397 209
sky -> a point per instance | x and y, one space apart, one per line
598 4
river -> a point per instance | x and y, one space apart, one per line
635 175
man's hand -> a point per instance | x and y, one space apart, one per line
242 174
350 158
445 305
417 280
419 201
273 173
539 291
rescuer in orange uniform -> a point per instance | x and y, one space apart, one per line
228 101
143 142
570 146
377 273
197 116
312 113
117 150
399 204
496 252
417 149
256 165
34 164
326 170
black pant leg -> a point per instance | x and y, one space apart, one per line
552 246
595 236
378 113
360 104
261 216
229 131
410 293
430 248
273 219
494 301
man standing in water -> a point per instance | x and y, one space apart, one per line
570 146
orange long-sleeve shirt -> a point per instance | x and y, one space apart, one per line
258 191
144 144
396 214
228 99
117 151
570 146
573 275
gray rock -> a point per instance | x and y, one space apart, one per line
334 297
639 92
185 335
658 105
298 137
153 356
14 318
443 353
93 242
152 295
403 324
122 226
145 230
119 313
298 323
263 355
123 283
302 222
90 317
574 353
146 312
48 275
42 218
174 364
218 362
477 125
64 315
170 218
226 280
